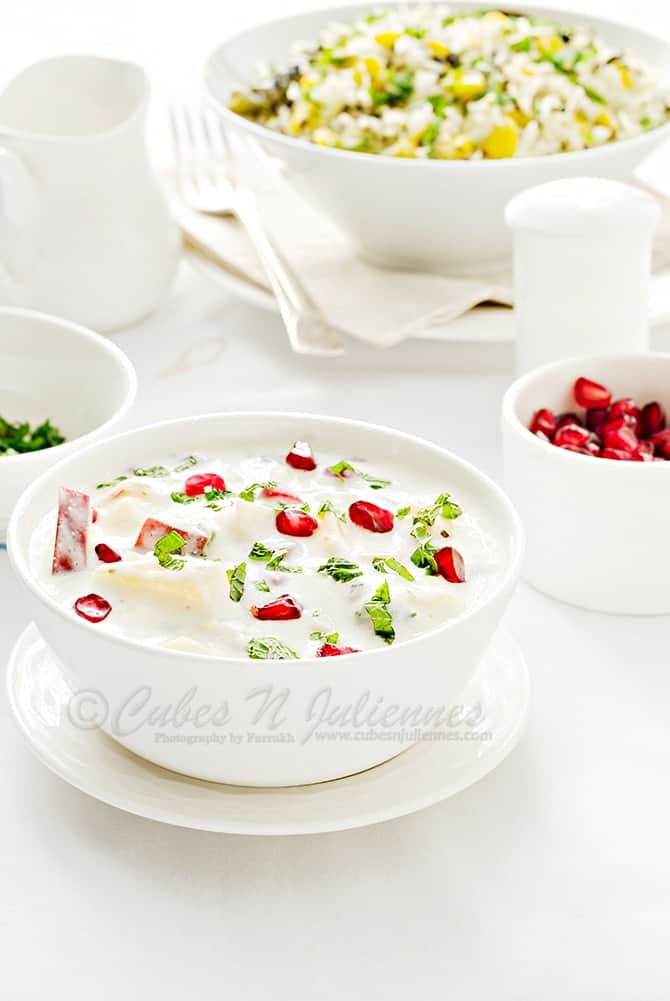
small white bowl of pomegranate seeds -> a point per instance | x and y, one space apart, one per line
313 562
586 450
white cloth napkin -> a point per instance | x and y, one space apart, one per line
379 306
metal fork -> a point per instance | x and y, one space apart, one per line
209 181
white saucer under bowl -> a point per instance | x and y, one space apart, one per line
427 773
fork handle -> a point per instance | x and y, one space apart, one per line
308 330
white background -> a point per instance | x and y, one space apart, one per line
550 879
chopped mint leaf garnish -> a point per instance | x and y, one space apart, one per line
249 493
273 558
236 579
152 471
212 495
319 634
260 552
402 512
17 439
523 45
188 463
385 563
180 498
328 506
165 548
342 467
111 483
377 609
340 570
262 585
424 519
269 648
423 557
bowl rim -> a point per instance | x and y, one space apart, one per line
509 574
511 419
649 138
106 347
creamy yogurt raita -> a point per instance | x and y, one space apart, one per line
267 556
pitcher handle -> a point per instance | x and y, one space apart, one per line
18 209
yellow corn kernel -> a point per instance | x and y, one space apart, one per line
519 117
437 48
324 137
580 117
463 147
358 76
470 83
405 148
625 74
501 142
604 118
313 116
296 122
549 45
373 66
495 17
306 81
387 38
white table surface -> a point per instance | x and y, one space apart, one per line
550 879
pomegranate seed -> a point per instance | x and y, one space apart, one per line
571 434
195 485
370 516
652 419
94 516
544 421
645 449
92 607
578 449
596 417
279 495
626 408
106 554
616 453
300 456
298 523
623 438
569 418
661 443
450 564
283 607
330 650
591 394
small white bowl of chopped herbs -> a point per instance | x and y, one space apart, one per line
61 386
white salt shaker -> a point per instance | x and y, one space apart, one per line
582 261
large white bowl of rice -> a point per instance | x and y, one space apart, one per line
412 126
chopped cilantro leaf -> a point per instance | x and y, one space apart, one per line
236 579
385 563
342 467
269 648
402 512
249 493
17 439
319 634
423 557
340 570
152 471
328 506
187 463
165 549
111 483
262 585
377 609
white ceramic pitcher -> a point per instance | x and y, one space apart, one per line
84 230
